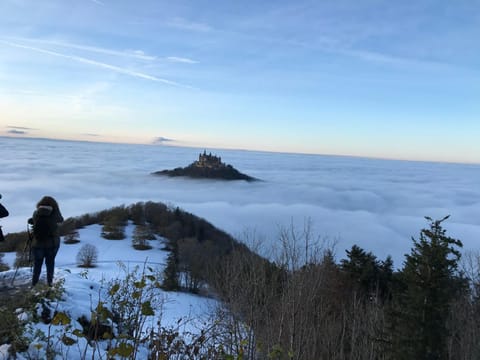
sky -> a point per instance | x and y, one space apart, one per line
374 78
84 288
378 205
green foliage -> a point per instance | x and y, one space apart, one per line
36 306
123 349
366 273
11 328
134 298
430 281
61 318
170 273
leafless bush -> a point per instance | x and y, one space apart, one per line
72 237
298 306
87 256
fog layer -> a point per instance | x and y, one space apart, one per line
377 204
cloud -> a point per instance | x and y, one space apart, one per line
136 54
377 204
98 64
17 132
161 140
184 24
20 128
377 57
181 60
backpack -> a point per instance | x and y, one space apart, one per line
3 211
44 228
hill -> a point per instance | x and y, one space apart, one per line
158 267
208 166
144 274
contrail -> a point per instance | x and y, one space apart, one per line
97 64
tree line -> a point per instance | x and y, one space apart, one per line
301 303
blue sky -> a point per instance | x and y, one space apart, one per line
365 78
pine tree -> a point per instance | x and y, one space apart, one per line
170 274
368 274
429 282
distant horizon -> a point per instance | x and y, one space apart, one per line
240 149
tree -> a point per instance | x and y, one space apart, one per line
367 274
429 282
87 256
137 213
3 266
170 274
113 228
362 268
141 235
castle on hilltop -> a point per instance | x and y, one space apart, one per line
208 161
207 166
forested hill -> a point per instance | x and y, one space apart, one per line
192 171
208 166
303 303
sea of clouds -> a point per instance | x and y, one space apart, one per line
378 204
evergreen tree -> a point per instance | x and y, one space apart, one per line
429 282
367 274
170 274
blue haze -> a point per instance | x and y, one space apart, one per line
377 204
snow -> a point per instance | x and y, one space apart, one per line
85 287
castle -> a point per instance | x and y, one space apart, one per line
207 166
209 160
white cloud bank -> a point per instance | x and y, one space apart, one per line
377 204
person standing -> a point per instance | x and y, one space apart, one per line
3 213
46 237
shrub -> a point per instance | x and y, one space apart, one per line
72 237
87 256
141 234
3 266
113 228
14 242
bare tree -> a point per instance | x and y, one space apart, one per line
87 256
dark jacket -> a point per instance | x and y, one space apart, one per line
3 211
56 216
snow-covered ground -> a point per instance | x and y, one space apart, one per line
85 287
